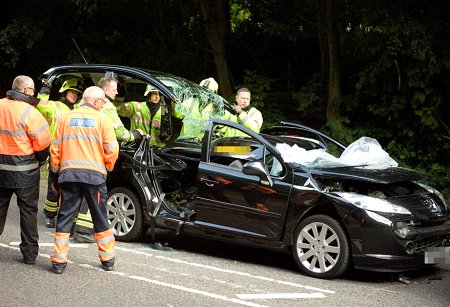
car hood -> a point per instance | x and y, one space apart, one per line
386 175
392 184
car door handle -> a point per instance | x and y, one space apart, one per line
209 182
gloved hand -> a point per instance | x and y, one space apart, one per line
45 90
237 109
138 133
44 93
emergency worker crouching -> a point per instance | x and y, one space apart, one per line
83 150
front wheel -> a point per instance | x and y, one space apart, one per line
321 247
124 214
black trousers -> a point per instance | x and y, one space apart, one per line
51 202
83 222
27 200
72 194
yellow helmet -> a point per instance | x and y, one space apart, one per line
150 89
210 84
71 84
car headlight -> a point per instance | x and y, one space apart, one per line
372 204
434 191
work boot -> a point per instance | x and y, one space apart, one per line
108 268
50 222
58 268
29 261
83 238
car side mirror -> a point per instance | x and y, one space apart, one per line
257 168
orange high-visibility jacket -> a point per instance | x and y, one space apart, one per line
23 132
84 147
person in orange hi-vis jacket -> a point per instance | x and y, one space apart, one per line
24 141
83 150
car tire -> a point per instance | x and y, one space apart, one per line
125 214
321 247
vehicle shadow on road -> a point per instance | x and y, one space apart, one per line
219 249
280 260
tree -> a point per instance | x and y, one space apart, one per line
334 70
215 17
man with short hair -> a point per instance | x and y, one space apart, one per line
24 141
245 114
109 86
83 150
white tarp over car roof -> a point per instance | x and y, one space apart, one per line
365 151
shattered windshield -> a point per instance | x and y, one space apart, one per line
195 106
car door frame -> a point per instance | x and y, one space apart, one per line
51 74
269 225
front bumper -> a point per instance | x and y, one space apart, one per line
376 247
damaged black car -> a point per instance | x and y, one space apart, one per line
289 188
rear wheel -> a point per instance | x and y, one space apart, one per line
321 247
125 214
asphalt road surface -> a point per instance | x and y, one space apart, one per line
196 272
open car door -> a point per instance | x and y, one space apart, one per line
243 186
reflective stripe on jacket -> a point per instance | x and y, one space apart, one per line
140 117
23 131
84 147
52 112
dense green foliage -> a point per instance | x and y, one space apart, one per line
393 59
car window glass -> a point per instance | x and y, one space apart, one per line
195 105
273 165
237 150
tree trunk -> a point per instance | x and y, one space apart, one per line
215 20
334 76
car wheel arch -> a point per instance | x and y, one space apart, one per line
323 207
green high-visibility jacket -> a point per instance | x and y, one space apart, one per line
122 134
251 119
140 117
194 119
52 112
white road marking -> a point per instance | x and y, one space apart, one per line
265 296
178 287
18 249
278 281
242 297
78 245
157 282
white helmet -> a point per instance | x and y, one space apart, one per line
150 89
210 84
